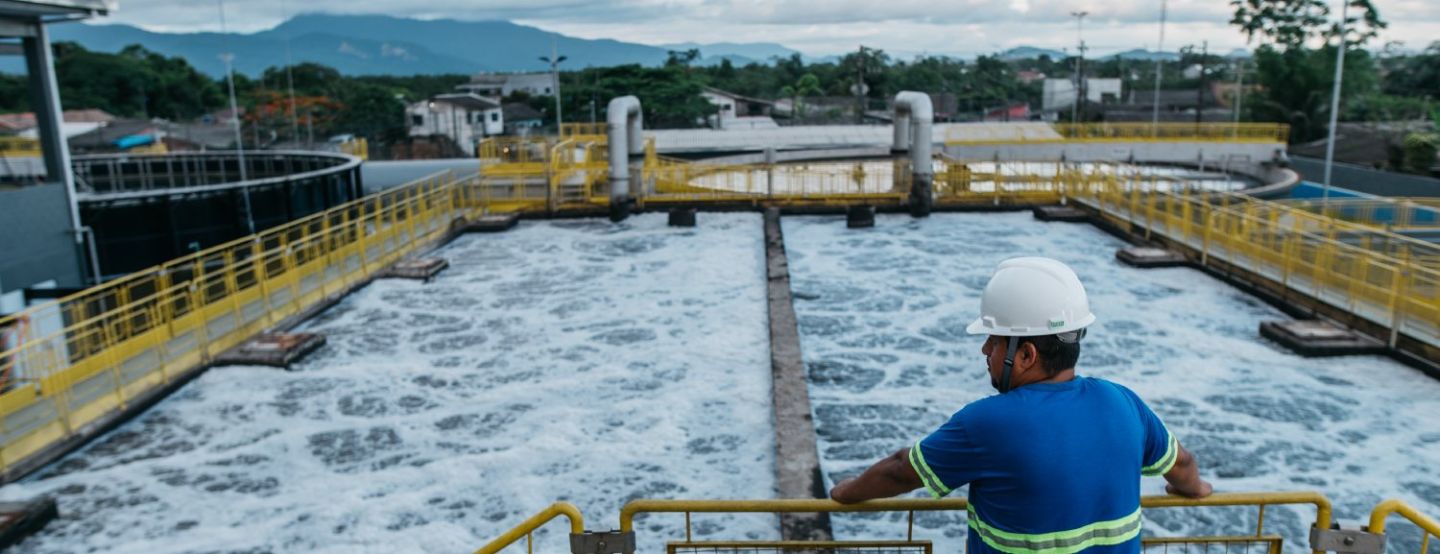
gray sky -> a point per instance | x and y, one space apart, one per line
816 27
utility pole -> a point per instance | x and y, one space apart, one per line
1239 90
1200 91
1335 103
1159 67
1079 61
554 60
859 88
235 113
290 79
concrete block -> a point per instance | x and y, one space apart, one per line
1069 214
1316 338
682 217
1147 257
419 269
860 217
272 349
19 520
493 223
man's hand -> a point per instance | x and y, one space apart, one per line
1202 490
888 477
1184 478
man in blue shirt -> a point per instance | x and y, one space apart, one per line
1053 461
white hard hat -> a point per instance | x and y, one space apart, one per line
1032 296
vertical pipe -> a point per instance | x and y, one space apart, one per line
916 110
624 127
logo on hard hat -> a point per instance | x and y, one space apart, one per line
1057 323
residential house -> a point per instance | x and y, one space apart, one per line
737 110
1014 112
520 118
76 122
465 118
1028 76
1059 94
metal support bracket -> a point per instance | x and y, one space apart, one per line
1347 541
603 542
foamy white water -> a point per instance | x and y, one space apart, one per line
568 360
882 314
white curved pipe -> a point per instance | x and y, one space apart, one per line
913 118
624 126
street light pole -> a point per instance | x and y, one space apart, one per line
1239 91
235 113
554 60
1335 104
1079 61
1159 66
290 80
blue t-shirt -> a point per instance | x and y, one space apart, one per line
1052 467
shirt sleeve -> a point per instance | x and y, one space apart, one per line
946 459
1161 448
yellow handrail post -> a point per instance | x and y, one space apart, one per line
577 526
1392 506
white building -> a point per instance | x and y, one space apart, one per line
736 111
1059 94
464 117
499 85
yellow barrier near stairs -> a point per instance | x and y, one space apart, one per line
1428 525
623 539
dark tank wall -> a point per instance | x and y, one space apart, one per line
136 228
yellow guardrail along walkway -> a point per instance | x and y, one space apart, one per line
1323 535
1125 132
109 345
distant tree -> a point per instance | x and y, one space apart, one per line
807 86
14 93
135 82
1417 75
1297 79
311 79
1292 24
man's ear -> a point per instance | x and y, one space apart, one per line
1027 356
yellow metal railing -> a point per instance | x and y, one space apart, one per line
1390 280
526 529
1259 501
19 147
1429 527
1127 132
110 344
588 131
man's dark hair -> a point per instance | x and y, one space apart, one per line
1055 354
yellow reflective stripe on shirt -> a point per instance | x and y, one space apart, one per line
1100 533
932 483
1167 461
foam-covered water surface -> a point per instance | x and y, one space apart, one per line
569 360
882 314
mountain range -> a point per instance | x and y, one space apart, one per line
385 45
